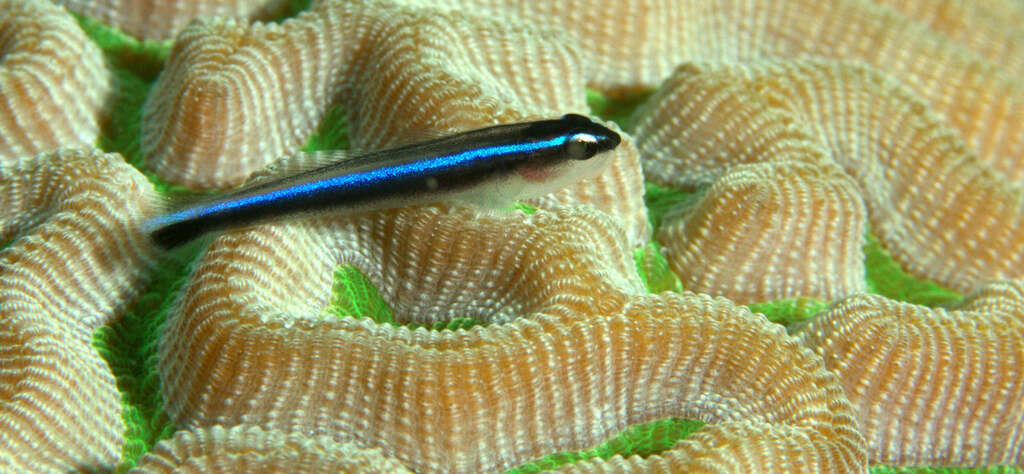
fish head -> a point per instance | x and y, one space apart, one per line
587 138
586 151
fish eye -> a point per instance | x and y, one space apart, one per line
581 146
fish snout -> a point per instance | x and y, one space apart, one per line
589 138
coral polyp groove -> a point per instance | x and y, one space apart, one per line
847 168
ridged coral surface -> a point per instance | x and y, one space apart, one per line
53 82
931 386
428 72
227 102
446 71
565 318
76 259
943 213
788 131
631 45
163 19
773 230
991 29
402 72
250 449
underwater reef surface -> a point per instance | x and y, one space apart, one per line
766 275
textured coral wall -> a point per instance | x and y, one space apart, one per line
805 256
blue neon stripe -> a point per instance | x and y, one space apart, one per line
414 168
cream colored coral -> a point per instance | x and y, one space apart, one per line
931 387
272 312
73 215
451 71
771 230
1001 298
162 19
53 82
235 97
991 28
632 46
572 354
250 449
76 259
942 213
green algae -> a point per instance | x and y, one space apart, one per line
141 58
354 295
291 9
653 268
525 208
455 324
885 277
129 346
617 109
332 133
642 440
662 200
789 311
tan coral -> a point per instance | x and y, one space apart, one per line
766 231
250 449
53 81
408 72
931 387
627 45
162 19
1001 297
968 90
73 216
635 45
75 260
453 71
235 97
60 408
991 28
975 96
232 96
563 304
942 213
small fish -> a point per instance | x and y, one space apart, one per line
496 164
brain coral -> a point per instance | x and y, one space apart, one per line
156 19
943 373
779 143
196 118
76 259
52 80
250 449
929 197
566 321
